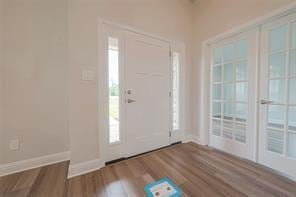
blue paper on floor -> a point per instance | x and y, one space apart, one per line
163 188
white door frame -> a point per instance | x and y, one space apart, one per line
103 124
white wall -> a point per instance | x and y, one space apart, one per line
171 19
35 67
211 18
1 83
47 44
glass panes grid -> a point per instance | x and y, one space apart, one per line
230 91
176 91
114 102
281 124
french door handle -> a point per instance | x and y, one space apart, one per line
130 101
265 102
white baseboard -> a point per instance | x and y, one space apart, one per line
187 138
195 139
93 165
191 138
85 167
10 168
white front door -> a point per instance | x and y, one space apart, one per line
134 97
233 97
147 93
277 139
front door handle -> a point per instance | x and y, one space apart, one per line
265 102
130 101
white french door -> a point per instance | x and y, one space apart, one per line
135 83
147 93
233 95
277 132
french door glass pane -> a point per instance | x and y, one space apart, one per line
276 116
292 91
292 145
275 141
241 92
278 38
292 118
227 129
218 56
240 112
228 72
228 91
113 65
217 92
240 132
241 71
242 49
217 127
292 63
228 111
228 53
217 73
293 36
277 65
217 110
277 91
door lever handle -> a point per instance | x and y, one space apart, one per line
265 102
130 101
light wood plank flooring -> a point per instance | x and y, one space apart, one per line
197 170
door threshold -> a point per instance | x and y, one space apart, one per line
126 158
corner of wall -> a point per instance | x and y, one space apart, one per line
85 167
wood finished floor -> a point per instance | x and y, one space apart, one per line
197 170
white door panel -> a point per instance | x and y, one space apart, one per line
233 95
277 141
147 84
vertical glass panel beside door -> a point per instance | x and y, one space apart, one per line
114 100
176 91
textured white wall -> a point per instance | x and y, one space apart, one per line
35 68
213 17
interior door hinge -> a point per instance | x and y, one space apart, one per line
170 134
170 53
170 94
